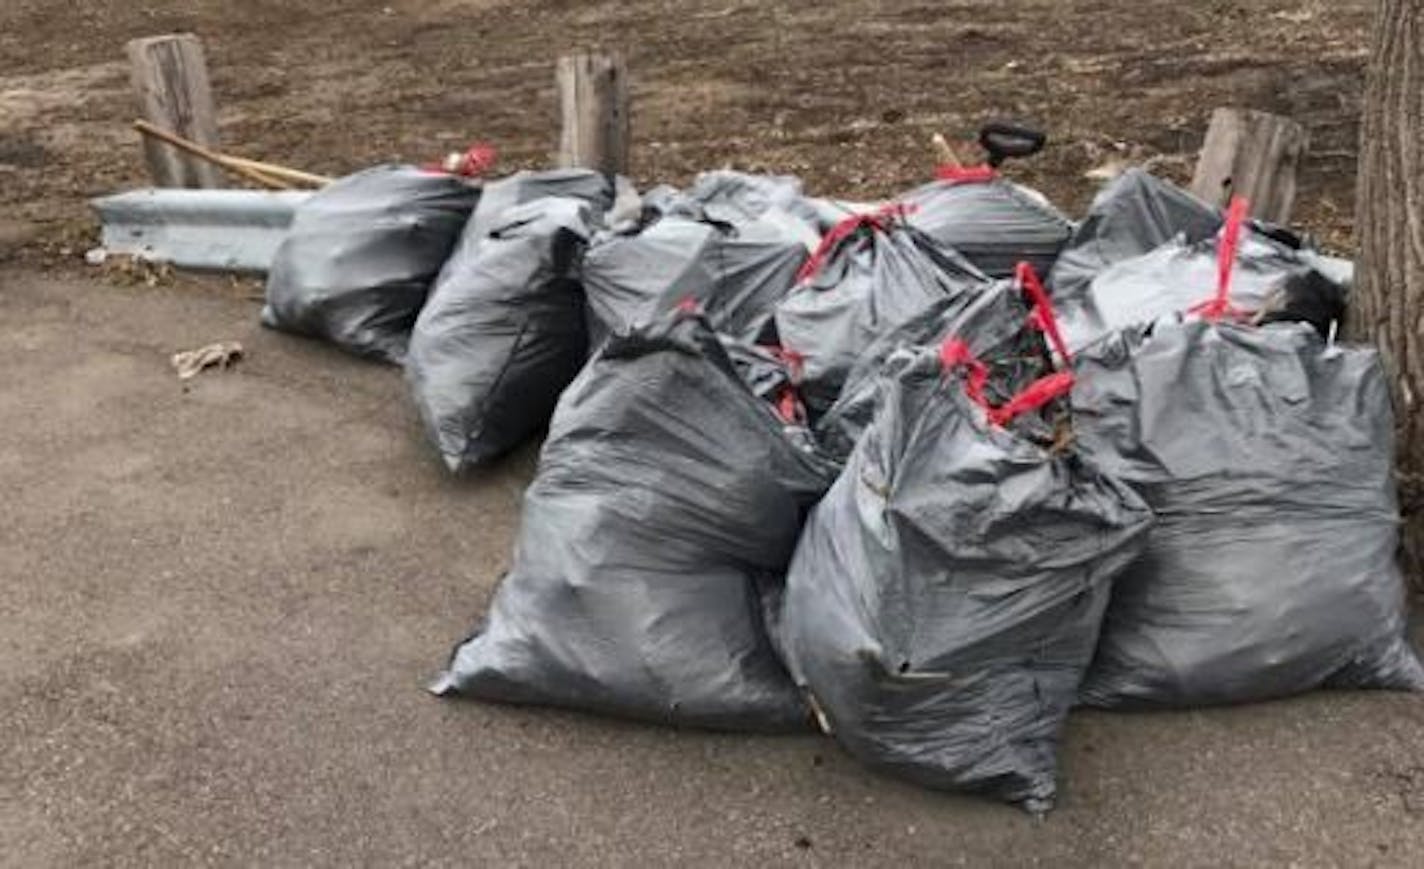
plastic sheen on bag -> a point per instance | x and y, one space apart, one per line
361 254
1267 455
503 332
653 546
946 595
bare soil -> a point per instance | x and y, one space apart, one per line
845 93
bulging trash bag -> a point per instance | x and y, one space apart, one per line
992 322
1274 281
1266 454
361 254
947 592
653 543
503 332
993 222
737 271
871 274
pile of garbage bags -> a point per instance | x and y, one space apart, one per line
814 463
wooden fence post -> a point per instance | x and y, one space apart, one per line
593 101
1254 154
170 78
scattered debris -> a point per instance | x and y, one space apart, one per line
132 269
223 354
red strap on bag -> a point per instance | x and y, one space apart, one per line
1043 317
955 353
788 398
876 220
795 363
966 174
1220 306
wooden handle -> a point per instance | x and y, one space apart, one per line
213 157
286 174
945 153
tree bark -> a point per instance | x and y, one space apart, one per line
1388 308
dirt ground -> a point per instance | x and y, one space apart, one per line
845 93
221 602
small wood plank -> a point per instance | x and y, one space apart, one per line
1252 154
170 79
594 110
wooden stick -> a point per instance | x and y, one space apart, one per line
213 157
286 174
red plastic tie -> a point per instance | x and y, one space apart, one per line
955 353
1043 318
1032 397
1220 306
876 220
789 407
689 305
795 362
966 174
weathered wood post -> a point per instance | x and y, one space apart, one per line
170 78
593 101
1254 154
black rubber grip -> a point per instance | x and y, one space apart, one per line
1003 141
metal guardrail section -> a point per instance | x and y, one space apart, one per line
232 230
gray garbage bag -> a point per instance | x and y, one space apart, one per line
595 188
730 196
654 538
947 592
993 222
1135 214
503 332
1274 281
993 323
737 271
870 275
361 254
1266 454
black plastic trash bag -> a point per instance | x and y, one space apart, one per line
361 254
993 222
1266 454
947 592
1274 281
871 274
654 540
503 332
736 271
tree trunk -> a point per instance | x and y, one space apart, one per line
1388 308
